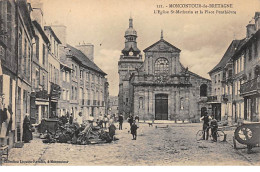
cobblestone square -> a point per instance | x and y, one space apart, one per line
172 145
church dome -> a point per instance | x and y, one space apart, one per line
130 31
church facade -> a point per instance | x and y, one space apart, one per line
159 87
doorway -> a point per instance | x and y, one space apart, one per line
161 107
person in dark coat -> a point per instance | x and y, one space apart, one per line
71 119
112 130
134 130
137 118
214 128
130 120
206 119
27 133
120 120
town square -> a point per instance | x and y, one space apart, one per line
91 83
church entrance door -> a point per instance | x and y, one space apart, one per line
161 107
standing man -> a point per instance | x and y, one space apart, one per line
134 130
206 119
105 121
120 120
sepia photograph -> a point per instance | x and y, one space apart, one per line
129 83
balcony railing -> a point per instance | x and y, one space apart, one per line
250 87
212 99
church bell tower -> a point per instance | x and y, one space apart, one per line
130 59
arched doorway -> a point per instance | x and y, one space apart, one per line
161 107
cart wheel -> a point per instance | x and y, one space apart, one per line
234 143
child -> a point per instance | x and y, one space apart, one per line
134 130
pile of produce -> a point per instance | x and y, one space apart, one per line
63 132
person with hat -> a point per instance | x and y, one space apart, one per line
120 120
134 130
206 119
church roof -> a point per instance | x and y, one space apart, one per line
170 48
84 59
228 54
134 49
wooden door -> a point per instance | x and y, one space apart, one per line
161 107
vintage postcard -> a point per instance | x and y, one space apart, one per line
129 82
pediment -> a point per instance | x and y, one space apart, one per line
162 46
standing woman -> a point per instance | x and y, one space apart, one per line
27 133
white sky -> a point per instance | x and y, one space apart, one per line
203 39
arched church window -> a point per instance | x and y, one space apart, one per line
182 103
161 66
203 90
141 102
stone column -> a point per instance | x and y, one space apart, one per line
146 103
177 96
150 102
146 64
40 113
170 104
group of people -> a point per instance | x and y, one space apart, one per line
209 123
132 121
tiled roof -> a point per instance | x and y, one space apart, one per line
53 33
244 42
39 28
228 54
84 59
135 49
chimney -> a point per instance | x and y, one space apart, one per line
61 32
257 21
250 30
87 50
37 11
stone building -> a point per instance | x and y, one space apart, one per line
8 69
130 60
25 40
249 51
221 93
40 96
113 106
160 88
88 84
54 89
240 70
